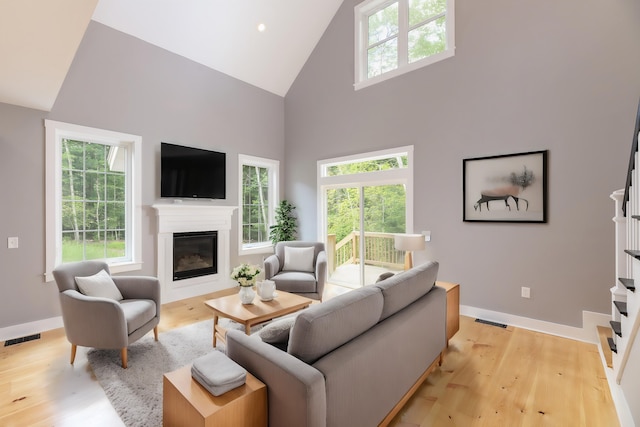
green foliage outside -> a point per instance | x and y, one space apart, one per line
384 205
255 204
93 203
384 210
426 37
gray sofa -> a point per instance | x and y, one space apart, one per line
350 360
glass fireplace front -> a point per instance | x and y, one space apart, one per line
195 254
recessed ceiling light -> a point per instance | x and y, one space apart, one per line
262 27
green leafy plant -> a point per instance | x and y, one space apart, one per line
286 226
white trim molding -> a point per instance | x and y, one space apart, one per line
587 333
182 217
30 328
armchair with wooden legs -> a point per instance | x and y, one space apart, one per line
97 318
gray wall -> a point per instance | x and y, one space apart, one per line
120 83
527 76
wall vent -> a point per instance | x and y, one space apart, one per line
21 340
489 322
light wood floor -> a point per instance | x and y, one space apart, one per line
490 377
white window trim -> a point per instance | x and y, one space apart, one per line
361 12
54 134
401 176
274 184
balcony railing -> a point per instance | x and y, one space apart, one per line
378 250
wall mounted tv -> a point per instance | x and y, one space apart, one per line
188 172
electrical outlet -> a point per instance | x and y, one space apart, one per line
427 236
526 292
12 242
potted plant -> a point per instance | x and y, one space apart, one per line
285 228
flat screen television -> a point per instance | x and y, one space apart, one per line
188 172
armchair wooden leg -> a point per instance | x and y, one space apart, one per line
155 333
73 352
123 354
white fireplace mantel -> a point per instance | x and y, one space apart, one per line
189 217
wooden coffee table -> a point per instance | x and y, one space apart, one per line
253 314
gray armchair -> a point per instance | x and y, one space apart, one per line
301 275
106 323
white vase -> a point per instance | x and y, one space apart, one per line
247 294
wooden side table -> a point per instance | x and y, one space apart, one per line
453 307
186 403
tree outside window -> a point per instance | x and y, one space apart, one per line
258 196
93 197
395 37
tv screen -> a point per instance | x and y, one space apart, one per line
188 172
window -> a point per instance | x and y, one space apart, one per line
364 200
93 197
395 37
259 199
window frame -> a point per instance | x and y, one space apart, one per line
390 176
273 167
55 132
363 10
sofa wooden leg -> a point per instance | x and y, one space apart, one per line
440 358
73 352
123 354
155 333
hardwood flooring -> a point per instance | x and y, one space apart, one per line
490 377
512 377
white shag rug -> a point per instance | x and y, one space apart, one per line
136 392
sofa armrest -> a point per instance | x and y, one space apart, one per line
321 272
271 266
295 390
139 287
84 316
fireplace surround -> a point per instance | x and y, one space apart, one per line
195 219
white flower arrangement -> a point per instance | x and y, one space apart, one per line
245 274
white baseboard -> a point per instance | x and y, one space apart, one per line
31 328
587 333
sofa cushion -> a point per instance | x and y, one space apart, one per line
99 285
298 259
323 327
295 281
404 288
137 312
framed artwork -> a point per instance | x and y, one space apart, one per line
505 188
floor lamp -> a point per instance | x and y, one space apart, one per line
409 243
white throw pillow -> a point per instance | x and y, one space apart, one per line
298 259
277 332
99 285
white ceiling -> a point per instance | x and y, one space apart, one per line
38 38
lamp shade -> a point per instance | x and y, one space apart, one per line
409 242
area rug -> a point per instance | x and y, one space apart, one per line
136 392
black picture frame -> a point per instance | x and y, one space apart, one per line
505 188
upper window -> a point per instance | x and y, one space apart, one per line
93 197
258 200
394 37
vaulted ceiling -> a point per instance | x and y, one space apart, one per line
39 38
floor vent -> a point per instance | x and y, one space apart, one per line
21 340
488 322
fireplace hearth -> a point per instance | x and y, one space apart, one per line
195 254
